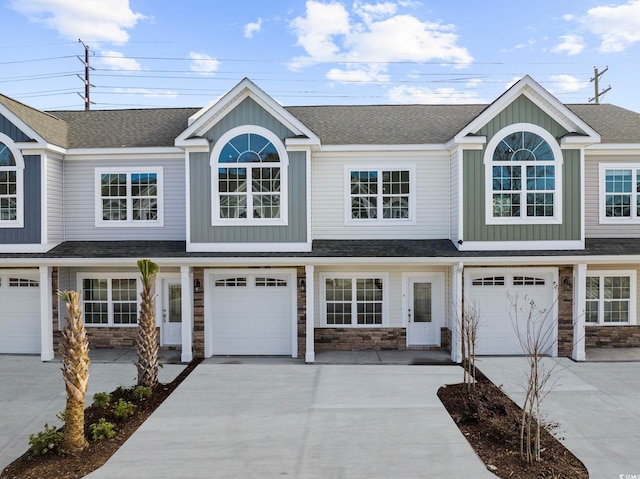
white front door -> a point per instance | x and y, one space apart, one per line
424 309
172 312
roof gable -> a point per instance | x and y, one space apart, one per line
203 121
578 130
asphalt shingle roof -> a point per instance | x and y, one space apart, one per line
54 130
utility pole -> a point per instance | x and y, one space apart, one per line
595 79
87 84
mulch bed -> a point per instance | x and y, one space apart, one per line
53 466
490 421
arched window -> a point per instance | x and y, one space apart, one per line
523 165
249 166
11 187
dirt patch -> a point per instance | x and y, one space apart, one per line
74 467
490 421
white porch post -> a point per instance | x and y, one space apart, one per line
186 280
46 314
310 355
456 311
579 309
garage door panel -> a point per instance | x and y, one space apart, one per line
255 318
20 313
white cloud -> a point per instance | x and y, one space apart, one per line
250 29
90 20
117 61
566 84
618 26
571 45
410 94
372 34
363 75
147 93
203 63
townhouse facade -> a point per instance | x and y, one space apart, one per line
291 230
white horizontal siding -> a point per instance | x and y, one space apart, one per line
592 202
432 196
55 207
80 193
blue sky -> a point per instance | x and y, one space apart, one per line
167 53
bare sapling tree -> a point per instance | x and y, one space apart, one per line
75 371
535 329
147 337
468 326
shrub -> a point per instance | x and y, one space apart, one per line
142 392
45 441
103 429
101 399
123 409
61 415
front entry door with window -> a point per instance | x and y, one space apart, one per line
424 311
172 313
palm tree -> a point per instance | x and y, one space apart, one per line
75 371
147 338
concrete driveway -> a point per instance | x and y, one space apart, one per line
32 392
301 421
596 404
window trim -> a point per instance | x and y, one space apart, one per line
216 220
19 169
602 171
348 168
322 277
631 274
109 277
488 173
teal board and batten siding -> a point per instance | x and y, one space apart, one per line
11 130
200 196
247 112
31 232
522 110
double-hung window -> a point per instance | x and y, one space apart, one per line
619 193
129 197
524 176
110 301
610 298
379 194
11 185
354 300
249 184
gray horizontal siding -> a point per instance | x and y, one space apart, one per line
31 232
55 217
79 200
522 110
200 196
11 130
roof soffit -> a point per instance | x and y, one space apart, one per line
208 116
541 98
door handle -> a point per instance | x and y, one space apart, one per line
409 315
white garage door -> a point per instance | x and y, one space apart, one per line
20 312
252 313
503 298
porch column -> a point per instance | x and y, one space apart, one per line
186 280
456 311
579 310
310 355
46 314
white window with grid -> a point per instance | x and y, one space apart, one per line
611 298
11 184
110 301
359 300
619 193
380 194
129 197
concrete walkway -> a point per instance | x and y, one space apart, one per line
597 405
301 421
32 393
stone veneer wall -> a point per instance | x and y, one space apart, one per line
301 313
360 339
565 311
612 336
198 315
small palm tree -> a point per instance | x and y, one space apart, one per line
147 338
75 371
